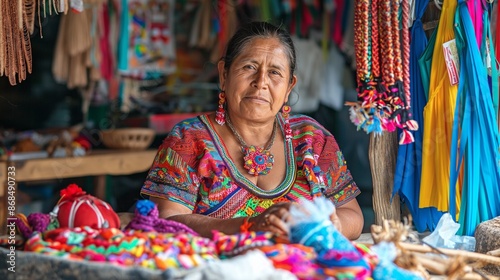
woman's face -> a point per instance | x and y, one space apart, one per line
258 81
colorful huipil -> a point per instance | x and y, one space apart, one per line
438 121
193 168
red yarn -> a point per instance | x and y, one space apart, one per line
406 137
406 52
82 141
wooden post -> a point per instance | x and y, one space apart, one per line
382 155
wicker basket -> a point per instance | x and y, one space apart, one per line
128 138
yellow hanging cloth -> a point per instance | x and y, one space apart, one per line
438 121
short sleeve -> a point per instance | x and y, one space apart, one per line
171 175
340 186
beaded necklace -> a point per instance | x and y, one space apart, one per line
258 161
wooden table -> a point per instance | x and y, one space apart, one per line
99 164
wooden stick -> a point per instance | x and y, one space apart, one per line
433 266
495 253
450 252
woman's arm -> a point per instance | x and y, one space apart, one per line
348 219
205 225
201 224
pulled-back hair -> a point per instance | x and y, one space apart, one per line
252 30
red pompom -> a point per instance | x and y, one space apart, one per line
83 142
72 190
406 137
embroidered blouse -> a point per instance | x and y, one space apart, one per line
193 168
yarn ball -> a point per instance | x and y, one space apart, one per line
146 218
78 209
145 206
35 222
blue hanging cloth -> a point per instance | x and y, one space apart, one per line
475 138
409 160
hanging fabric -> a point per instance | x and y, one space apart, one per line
476 14
425 64
409 159
488 53
438 117
148 47
475 133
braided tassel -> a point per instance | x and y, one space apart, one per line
409 123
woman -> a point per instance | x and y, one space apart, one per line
242 167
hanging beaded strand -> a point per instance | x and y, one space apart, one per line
376 50
361 112
387 61
380 87
396 88
409 124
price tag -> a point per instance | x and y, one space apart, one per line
452 61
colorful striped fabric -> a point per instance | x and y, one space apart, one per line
193 168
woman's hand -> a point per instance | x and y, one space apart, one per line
274 219
334 218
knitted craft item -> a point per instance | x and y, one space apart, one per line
296 258
130 248
77 209
311 226
146 218
232 245
35 222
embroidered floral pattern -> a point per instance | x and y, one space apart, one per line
257 160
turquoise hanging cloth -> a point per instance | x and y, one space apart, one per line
409 160
425 63
475 138
489 57
124 37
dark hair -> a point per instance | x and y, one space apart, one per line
253 30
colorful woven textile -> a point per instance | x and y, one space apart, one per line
147 249
193 168
146 218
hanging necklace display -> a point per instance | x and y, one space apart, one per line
258 161
15 44
383 84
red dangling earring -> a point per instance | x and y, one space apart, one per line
220 115
285 111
